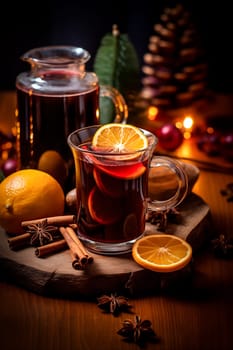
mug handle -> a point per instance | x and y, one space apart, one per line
167 184
121 108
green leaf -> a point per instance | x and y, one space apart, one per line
116 64
107 110
2 176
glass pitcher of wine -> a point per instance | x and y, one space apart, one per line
55 97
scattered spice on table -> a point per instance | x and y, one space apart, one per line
161 218
228 192
114 304
138 331
223 246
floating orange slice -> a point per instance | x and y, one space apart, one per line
111 186
127 172
104 209
162 252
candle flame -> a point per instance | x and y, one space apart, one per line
210 130
187 127
188 122
152 112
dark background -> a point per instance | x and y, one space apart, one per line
29 24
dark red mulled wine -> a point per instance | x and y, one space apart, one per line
111 198
44 121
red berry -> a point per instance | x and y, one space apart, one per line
170 137
9 166
210 144
227 146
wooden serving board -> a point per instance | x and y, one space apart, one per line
55 276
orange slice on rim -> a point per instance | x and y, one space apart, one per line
162 252
121 142
119 138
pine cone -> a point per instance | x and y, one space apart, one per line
174 70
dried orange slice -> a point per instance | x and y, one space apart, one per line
162 252
119 138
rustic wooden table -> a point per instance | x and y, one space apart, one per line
198 316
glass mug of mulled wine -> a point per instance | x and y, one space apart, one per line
115 189
56 96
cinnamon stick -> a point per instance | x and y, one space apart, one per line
19 241
73 235
74 247
50 248
67 225
61 220
77 265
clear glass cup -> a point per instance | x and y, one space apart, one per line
112 192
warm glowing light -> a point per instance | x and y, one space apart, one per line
179 125
98 114
187 126
186 150
6 146
13 130
152 112
187 135
188 122
4 155
210 130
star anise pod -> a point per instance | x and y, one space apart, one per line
113 304
228 192
41 233
222 246
161 218
138 331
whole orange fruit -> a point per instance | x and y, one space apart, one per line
26 195
52 163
